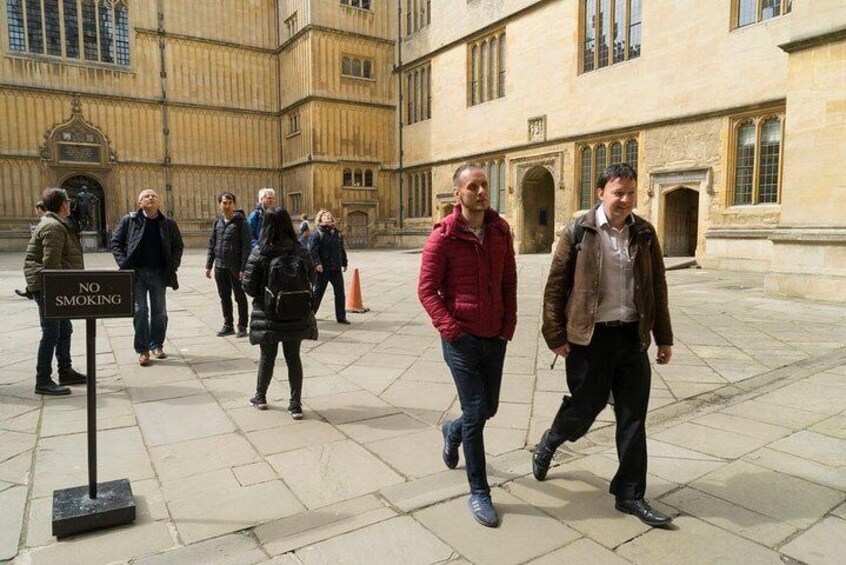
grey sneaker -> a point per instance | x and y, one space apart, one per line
450 451
483 511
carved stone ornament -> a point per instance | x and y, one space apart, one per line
537 128
77 142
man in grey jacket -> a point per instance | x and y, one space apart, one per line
54 245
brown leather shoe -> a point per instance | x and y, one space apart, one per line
144 359
159 353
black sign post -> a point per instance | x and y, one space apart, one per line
90 295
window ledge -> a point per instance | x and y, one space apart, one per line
368 79
357 8
611 66
477 104
757 209
25 56
756 24
352 187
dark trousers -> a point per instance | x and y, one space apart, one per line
476 366
150 322
613 361
337 280
267 361
55 338
227 283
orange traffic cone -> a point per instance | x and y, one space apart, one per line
354 303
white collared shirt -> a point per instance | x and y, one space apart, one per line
616 281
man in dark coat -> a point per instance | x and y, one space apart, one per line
605 297
150 243
54 245
229 249
330 259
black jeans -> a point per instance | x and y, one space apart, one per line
476 366
55 338
227 283
613 361
267 361
337 280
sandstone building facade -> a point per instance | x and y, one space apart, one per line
732 111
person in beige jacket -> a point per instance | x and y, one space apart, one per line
54 245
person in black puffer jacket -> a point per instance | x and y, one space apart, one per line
229 248
277 238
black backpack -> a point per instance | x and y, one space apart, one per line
287 295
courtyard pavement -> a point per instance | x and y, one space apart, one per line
747 437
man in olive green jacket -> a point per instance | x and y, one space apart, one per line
54 245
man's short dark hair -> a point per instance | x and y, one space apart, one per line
40 206
54 198
620 171
228 196
457 174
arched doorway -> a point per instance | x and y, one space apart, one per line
88 209
681 218
538 200
357 236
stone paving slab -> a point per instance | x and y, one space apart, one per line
730 517
781 497
13 502
313 526
580 551
398 540
321 474
232 549
821 545
695 542
207 505
506 544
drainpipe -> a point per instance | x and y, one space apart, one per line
400 98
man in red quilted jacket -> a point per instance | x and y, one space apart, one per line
468 286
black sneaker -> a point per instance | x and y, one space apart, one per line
72 377
542 457
344 321
296 411
259 402
225 330
241 332
50 388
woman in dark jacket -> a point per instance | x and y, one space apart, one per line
229 248
277 238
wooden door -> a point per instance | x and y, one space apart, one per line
357 237
680 223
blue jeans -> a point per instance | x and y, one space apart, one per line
150 323
337 280
476 366
55 337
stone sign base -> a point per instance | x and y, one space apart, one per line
74 512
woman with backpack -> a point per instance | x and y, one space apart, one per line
279 276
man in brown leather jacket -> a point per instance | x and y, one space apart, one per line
605 295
